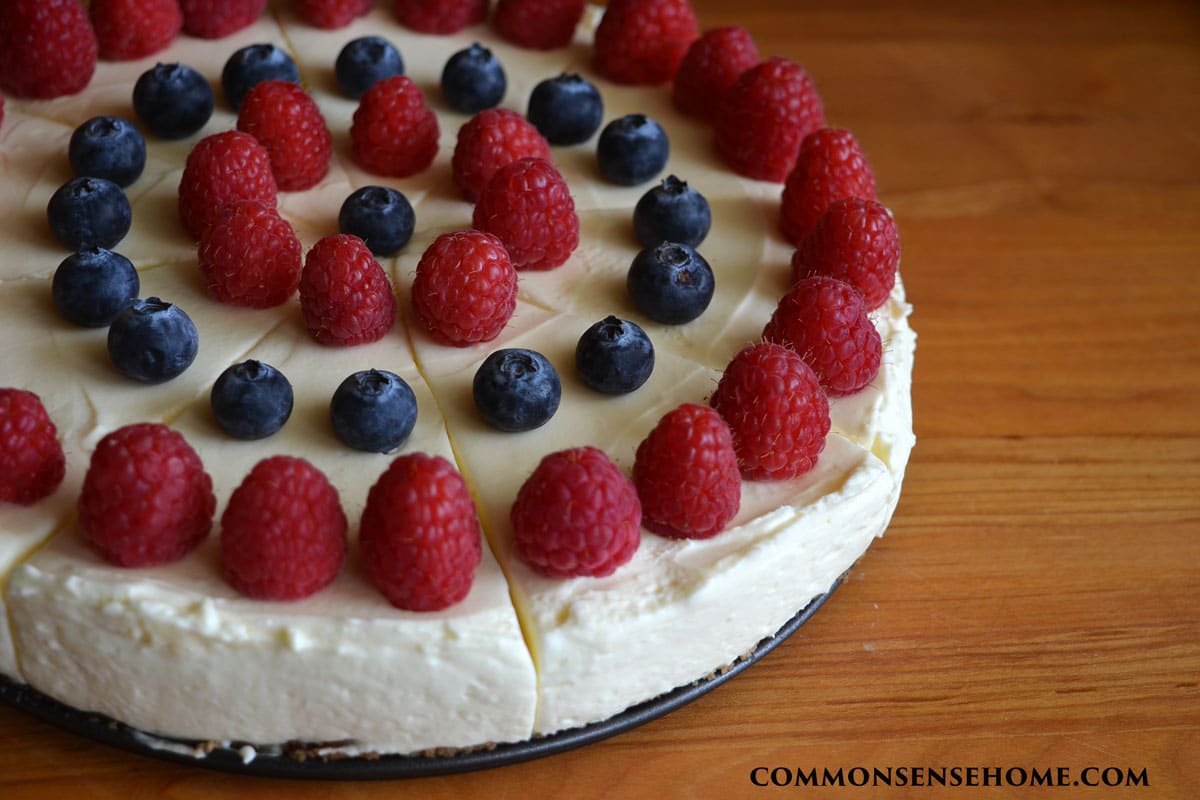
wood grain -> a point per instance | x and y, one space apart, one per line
1034 603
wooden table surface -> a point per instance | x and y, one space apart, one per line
1034 604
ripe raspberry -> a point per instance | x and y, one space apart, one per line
538 24
146 499
488 141
216 19
345 296
528 206
440 16
644 41
465 290
289 125
576 515
765 116
829 166
686 473
131 29
776 410
710 68
283 534
331 14
825 321
394 132
420 534
250 256
221 168
855 241
47 48
32 463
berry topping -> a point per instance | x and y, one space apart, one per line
250 66
108 147
394 133
251 400
644 41
710 68
283 534
331 14
614 356
516 390
373 411
672 212
131 29
487 142
671 283
776 409
250 256
379 215
465 290
765 116
89 212
220 169
32 463
173 100
538 24
152 341
345 296
420 534
440 16
216 19
686 473
576 515
365 60
287 121
47 48
92 286
830 166
855 241
825 321
566 110
473 79
632 149
528 206
146 499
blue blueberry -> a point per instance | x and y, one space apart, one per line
380 216
516 390
373 410
672 212
364 61
251 400
251 65
173 100
89 212
614 356
671 283
108 147
92 286
632 149
152 341
473 79
566 110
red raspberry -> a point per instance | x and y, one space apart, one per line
538 24
331 14
686 473
829 166
32 463
643 41
577 514
283 534
528 206
488 141
825 321
465 291
222 168
855 241
420 534
131 29
776 410
440 16
394 132
710 68
47 47
765 116
288 123
345 296
146 499
250 256
216 19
